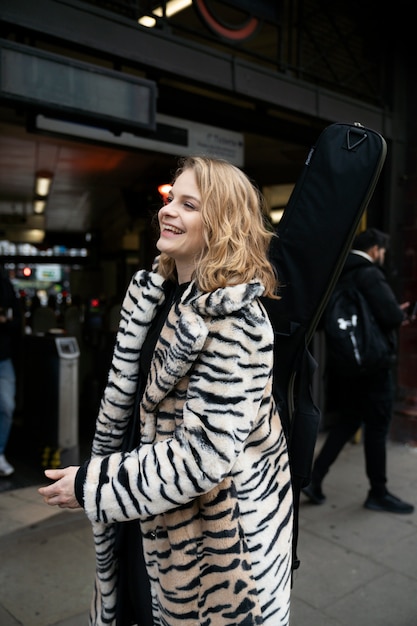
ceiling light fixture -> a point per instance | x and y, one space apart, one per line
171 8
43 183
276 215
39 206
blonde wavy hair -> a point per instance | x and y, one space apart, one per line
235 229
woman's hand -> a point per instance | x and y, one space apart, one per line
62 492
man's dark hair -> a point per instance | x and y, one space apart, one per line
371 237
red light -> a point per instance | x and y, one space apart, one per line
27 271
164 189
94 303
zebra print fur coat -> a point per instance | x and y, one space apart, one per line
210 481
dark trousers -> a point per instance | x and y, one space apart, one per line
366 402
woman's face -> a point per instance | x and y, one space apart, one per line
180 223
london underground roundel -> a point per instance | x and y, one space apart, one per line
231 32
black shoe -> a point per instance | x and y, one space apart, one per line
388 502
314 493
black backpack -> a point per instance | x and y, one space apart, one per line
355 343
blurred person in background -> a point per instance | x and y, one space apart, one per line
10 335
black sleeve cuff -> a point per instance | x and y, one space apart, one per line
79 483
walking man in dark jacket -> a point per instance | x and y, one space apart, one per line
366 400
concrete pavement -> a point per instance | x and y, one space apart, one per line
358 567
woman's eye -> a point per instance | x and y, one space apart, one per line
186 203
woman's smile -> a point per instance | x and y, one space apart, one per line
168 229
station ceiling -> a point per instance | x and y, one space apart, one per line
88 180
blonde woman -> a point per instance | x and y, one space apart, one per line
188 487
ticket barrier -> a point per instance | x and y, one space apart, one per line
51 398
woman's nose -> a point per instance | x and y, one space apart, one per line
167 209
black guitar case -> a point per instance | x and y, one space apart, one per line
315 235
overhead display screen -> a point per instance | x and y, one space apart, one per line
59 84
